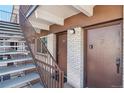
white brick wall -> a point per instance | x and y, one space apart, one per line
75 58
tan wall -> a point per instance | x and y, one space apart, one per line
102 13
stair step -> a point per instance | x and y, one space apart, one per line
37 85
11 32
15 69
8 29
25 85
9 24
9 36
16 52
12 41
15 60
12 46
11 27
18 81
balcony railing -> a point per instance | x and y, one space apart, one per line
8 16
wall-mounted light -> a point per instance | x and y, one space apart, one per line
72 31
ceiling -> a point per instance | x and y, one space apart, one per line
47 15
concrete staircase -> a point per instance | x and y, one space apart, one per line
17 69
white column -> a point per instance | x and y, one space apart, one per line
75 58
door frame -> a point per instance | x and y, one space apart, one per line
104 24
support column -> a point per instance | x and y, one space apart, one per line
75 57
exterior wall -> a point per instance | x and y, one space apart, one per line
101 13
51 45
75 58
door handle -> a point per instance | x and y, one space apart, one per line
91 46
118 65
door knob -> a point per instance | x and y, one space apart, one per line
118 64
91 46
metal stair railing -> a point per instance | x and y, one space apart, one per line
51 75
6 18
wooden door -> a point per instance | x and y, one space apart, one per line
104 66
62 51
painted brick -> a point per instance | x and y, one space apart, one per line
74 58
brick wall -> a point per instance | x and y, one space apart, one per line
75 58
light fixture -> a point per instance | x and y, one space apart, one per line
72 31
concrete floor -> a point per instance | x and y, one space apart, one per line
66 85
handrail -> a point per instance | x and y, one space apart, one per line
40 39
51 74
31 51
31 10
28 9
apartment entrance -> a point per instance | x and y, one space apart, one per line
104 60
62 51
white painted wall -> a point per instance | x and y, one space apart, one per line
52 44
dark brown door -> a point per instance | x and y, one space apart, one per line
104 57
62 51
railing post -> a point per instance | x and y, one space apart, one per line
62 79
